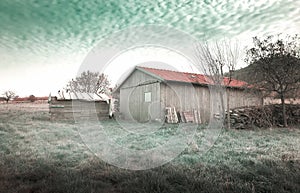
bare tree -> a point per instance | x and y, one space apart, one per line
89 82
216 59
8 95
276 64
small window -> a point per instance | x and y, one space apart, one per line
147 96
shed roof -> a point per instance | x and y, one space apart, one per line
85 96
188 77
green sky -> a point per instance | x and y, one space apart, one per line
43 43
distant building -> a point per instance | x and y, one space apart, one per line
2 100
146 92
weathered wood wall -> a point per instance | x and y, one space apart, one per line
182 96
78 109
187 97
133 104
244 98
132 98
136 78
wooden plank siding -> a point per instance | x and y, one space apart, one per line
132 98
80 109
133 104
137 78
181 95
186 97
241 98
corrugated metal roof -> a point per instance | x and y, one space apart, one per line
187 77
85 96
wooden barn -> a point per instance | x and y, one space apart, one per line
79 106
147 93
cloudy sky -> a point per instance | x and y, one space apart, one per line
44 43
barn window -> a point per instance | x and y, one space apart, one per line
147 96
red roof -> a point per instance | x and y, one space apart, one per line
187 77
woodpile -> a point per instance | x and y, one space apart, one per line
263 116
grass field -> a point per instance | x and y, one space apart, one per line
39 155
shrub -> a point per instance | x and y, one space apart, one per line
31 98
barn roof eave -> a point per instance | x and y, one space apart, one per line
149 73
142 70
182 82
206 85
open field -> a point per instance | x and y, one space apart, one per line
39 155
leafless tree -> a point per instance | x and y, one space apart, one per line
8 95
89 82
217 58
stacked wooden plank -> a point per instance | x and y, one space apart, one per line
197 117
191 116
172 116
187 117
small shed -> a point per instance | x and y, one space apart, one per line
147 93
80 106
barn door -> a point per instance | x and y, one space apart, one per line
144 105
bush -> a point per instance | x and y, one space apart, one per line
31 98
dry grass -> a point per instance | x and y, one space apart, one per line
39 155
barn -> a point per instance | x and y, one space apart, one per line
147 92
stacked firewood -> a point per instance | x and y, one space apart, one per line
263 116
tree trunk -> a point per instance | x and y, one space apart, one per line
228 109
282 97
222 105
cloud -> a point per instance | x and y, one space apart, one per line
38 32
